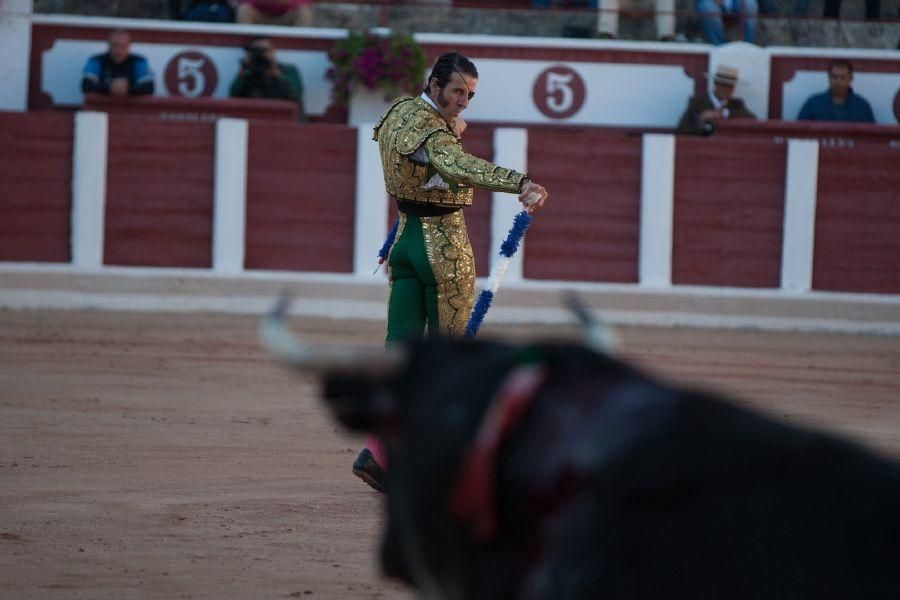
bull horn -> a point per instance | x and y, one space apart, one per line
277 338
597 336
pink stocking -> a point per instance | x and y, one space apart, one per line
376 447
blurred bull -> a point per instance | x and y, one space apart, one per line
551 471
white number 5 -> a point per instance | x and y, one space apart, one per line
190 78
559 91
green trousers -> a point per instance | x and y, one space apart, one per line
432 277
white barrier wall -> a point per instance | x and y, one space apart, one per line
657 206
15 43
89 189
371 203
230 199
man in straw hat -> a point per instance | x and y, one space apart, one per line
704 111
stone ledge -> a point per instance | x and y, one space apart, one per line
637 25
336 296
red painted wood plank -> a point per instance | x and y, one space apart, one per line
159 203
35 186
729 212
588 231
857 240
301 186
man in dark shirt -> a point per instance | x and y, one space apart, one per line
117 72
839 102
261 76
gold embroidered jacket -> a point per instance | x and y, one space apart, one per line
423 160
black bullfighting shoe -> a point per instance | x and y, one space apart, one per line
366 468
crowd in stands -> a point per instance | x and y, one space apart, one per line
838 103
252 12
118 72
711 15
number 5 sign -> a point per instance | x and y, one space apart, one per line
559 92
191 74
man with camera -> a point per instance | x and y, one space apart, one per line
261 76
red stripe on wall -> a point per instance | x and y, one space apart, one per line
857 240
301 188
729 212
588 230
35 186
159 202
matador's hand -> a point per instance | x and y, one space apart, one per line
459 125
533 196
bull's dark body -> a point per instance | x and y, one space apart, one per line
617 486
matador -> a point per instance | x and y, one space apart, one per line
431 179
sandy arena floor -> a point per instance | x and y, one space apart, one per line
166 456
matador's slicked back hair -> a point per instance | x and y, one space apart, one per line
447 64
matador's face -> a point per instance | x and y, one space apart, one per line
454 97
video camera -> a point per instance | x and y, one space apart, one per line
257 62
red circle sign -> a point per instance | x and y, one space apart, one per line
559 92
191 74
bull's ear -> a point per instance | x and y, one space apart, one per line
360 402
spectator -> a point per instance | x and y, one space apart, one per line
608 21
770 7
833 9
275 12
800 8
712 11
261 76
566 3
608 18
210 11
117 72
704 111
839 102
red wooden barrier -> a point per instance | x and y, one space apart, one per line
192 110
35 186
301 187
829 134
159 193
729 212
857 241
588 231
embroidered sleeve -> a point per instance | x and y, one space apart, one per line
455 164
